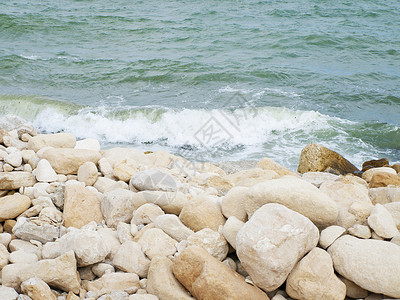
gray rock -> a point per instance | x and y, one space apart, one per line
154 180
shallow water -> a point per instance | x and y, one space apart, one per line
212 80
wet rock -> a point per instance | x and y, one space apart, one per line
384 179
374 163
317 158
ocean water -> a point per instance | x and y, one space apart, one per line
209 80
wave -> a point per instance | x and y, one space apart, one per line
215 134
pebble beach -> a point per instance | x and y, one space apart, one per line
81 222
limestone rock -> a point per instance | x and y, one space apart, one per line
384 179
154 180
125 170
117 155
129 257
57 140
396 167
317 178
124 232
110 238
17 244
44 172
352 200
329 235
367 175
268 164
207 278
105 185
13 205
360 231
170 202
155 242
233 203
314 278
37 289
67 161
251 177
118 206
102 268
4 256
202 213
297 195
28 230
317 158
230 230
14 159
143 297
381 221
353 290
88 173
60 273
271 243
15 180
8 293
146 214
371 264
88 144
172 226
162 283
113 282
5 238
213 242
88 246
394 209
384 195
106 168
81 206
23 257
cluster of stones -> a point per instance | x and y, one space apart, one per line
78 222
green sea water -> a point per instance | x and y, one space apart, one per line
210 80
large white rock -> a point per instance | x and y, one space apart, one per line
13 205
88 144
88 173
210 240
154 180
372 264
296 194
352 200
172 226
233 203
155 242
394 209
146 214
15 180
67 161
313 278
230 230
384 195
129 257
37 289
27 230
117 155
57 140
8 293
88 246
44 172
118 206
271 243
381 221
14 159
329 235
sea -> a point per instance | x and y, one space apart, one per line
210 80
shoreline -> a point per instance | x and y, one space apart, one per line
80 222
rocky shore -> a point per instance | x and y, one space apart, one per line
78 222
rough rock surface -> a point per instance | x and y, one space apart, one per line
297 195
270 244
130 258
371 264
67 161
314 278
15 180
384 179
162 283
317 158
81 206
207 278
57 140
381 221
